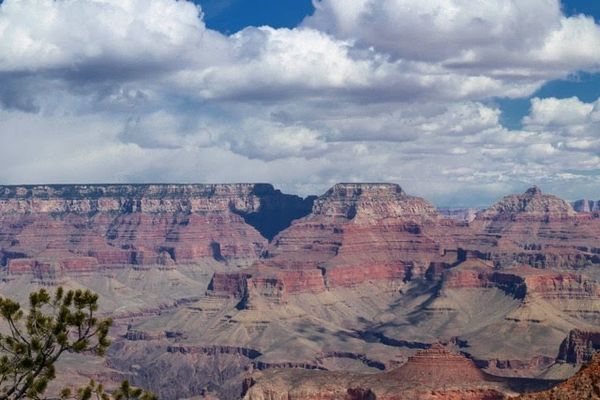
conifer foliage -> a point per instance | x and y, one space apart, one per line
32 340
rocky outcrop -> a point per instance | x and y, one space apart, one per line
369 201
434 373
81 227
273 284
579 346
585 384
535 229
533 203
522 281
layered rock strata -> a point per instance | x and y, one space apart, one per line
361 278
76 228
536 229
435 373
579 346
355 233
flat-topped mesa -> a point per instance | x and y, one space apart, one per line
146 198
368 201
77 225
376 228
531 204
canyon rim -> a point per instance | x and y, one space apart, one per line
302 199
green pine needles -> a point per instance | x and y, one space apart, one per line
32 341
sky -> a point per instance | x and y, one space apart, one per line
458 101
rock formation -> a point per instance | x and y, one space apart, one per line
438 367
585 384
435 373
532 203
77 228
535 229
579 347
207 283
354 234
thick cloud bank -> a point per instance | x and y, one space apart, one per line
385 90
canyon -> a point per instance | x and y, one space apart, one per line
365 292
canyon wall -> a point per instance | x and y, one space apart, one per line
213 282
78 228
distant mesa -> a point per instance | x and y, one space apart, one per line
533 202
370 201
79 228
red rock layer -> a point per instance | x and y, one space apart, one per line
356 233
579 346
521 281
434 373
438 367
79 227
377 221
535 229
359 233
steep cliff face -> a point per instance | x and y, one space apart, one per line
360 224
579 346
76 228
365 274
366 202
356 233
535 229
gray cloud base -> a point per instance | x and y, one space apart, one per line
397 90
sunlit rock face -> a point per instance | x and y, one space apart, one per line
536 229
356 232
208 284
81 227
533 203
434 373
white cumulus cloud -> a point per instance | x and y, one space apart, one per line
397 90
